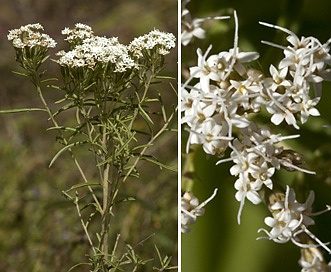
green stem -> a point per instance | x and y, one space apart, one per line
36 82
85 226
151 141
147 85
105 199
105 212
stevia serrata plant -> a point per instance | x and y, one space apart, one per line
116 114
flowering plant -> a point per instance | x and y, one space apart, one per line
223 98
115 114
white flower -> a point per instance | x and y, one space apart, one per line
212 137
238 58
190 209
278 79
193 28
244 92
190 29
203 70
291 218
245 189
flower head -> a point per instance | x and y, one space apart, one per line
190 209
193 27
78 34
157 40
30 36
291 218
98 50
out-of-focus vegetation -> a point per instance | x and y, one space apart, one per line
39 228
216 242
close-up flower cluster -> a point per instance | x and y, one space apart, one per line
78 34
162 42
30 36
88 50
96 50
291 218
222 100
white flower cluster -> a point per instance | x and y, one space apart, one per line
78 34
193 27
190 209
163 42
290 219
96 50
88 50
30 36
220 106
305 62
256 157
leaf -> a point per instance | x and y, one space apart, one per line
165 77
67 196
141 146
164 114
74 131
144 115
77 265
21 110
84 184
20 73
152 160
65 107
63 128
64 149
49 79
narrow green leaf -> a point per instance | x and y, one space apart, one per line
76 130
144 115
63 128
164 114
165 77
65 107
67 196
49 79
54 87
84 184
151 100
152 160
65 149
77 265
20 110
141 146
20 73
89 86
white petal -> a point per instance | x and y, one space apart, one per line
254 197
277 118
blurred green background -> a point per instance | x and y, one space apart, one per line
216 242
39 228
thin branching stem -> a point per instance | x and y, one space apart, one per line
55 123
